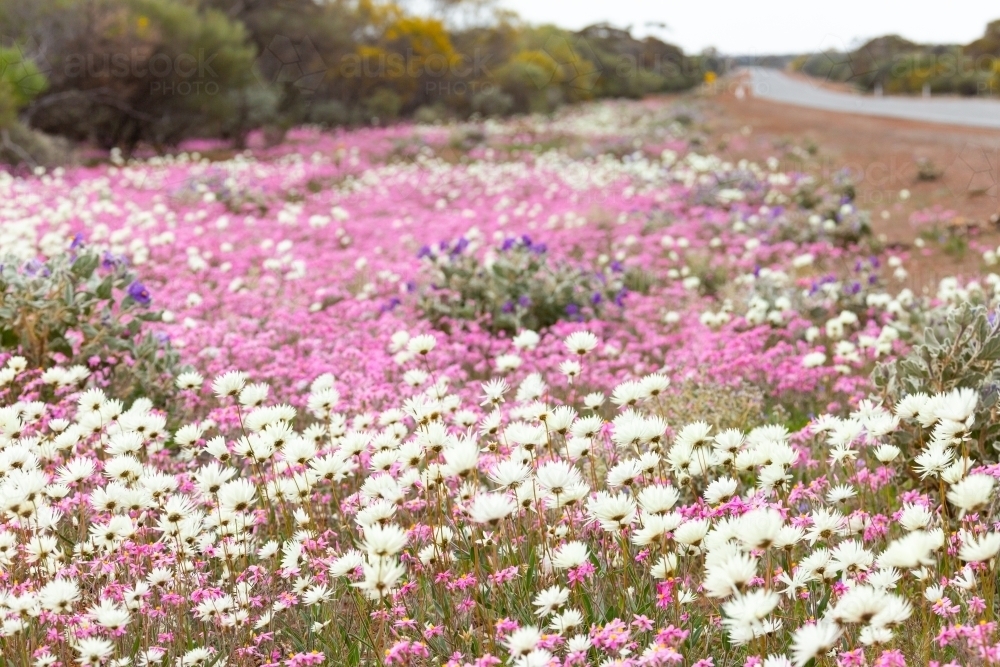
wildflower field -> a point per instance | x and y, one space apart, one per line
546 391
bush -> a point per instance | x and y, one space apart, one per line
85 308
329 113
431 114
492 102
958 351
157 71
517 286
20 144
20 82
383 105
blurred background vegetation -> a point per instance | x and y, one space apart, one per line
130 73
900 66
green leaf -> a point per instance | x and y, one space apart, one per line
60 345
103 290
85 265
9 338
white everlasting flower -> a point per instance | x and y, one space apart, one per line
93 651
657 498
957 405
720 490
915 517
421 344
59 595
627 393
384 541
493 391
612 512
526 340
814 359
109 615
914 550
972 493
550 600
566 621
189 381
581 342
760 528
977 549
491 508
933 460
569 555
380 578
346 563
886 453
810 641
593 400
523 640
229 384
729 576
570 368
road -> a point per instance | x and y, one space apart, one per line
770 84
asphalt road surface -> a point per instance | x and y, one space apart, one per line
770 84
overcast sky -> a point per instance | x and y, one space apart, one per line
772 26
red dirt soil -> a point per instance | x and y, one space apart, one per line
883 156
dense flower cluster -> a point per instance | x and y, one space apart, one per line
338 482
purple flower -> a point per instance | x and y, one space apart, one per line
391 305
110 261
139 293
462 244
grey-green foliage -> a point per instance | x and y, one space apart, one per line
961 349
521 288
84 307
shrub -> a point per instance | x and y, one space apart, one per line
85 308
156 71
492 102
20 82
383 105
329 113
517 286
927 170
431 114
19 144
958 351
